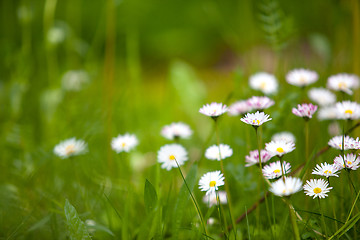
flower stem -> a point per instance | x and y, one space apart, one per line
306 143
293 222
220 214
322 219
193 198
226 179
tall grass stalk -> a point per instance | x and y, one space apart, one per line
293 221
324 229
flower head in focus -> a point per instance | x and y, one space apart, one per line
349 143
256 119
124 143
280 147
273 170
176 130
305 110
301 77
169 154
70 147
326 170
317 188
214 109
211 181
351 161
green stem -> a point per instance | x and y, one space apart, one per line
306 143
193 198
220 214
293 222
324 229
226 179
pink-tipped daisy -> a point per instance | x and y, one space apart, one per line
343 82
279 148
326 170
211 181
264 82
349 143
317 188
253 157
351 161
301 77
214 109
239 108
273 170
288 187
305 110
256 119
260 103
176 130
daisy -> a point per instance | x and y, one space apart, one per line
349 143
317 188
260 103
75 80
326 170
171 152
280 147
327 113
273 170
176 130
322 96
214 109
211 181
305 110
286 187
212 152
239 108
124 143
301 77
70 147
256 119
351 161
211 199
343 82
253 157
348 110
264 82
285 136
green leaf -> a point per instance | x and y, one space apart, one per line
183 198
150 196
346 227
76 227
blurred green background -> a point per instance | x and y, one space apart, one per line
148 63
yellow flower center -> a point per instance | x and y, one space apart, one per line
327 171
317 190
349 111
172 157
123 144
342 85
277 171
348 163
280 150
302 80
212 183
263 85
256 121
70 149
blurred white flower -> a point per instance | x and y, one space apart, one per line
70 147
75 80
253 157
214 109
260 103
305 110
211 199
327 113
322 96
301 77
171 152
348 110
213 153
264 82
124 143
239 108
176 130
56 35
284 136
288 187
279 147
343 82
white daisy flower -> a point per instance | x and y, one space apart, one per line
214 109
75 80
211 199
322 96
256 119
273 170
211 181
351 161
212 152
280 147
124 143
171 152
239 108
317 188
260 103
349 143
264 82
70 147
343 82
305 110
348 110
176 130
253 157
301 77
326 170
284 136
288 187
327 113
